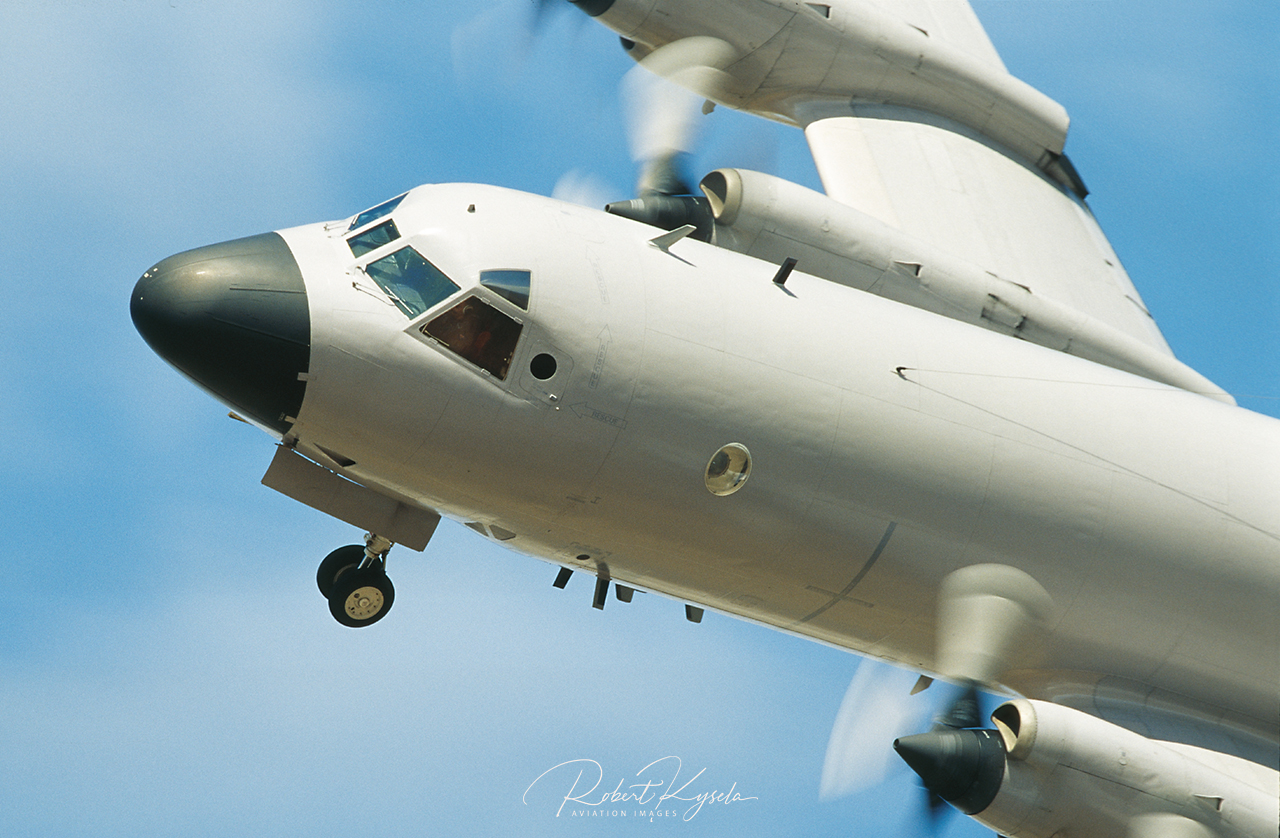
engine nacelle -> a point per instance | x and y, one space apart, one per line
773 220
1069 773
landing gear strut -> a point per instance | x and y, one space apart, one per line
354 580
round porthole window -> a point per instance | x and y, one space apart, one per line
543 366
728 469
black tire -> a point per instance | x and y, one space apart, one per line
335 564
361 597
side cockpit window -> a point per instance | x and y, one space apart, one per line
371 215
412 283
511 285
479 333
373 238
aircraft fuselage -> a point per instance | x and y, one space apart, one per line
889 446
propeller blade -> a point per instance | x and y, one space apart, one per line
662 127
936 809
990 619
664 94
697 64
964 712
875 711
584 189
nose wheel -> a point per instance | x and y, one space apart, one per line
354 580
361 597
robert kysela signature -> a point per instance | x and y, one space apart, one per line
652 789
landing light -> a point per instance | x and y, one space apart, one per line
728 469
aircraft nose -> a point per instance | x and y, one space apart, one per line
234 318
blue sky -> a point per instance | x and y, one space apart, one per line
168 667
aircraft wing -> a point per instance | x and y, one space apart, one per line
932 155
970 181
951 21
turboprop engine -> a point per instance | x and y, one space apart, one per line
1051 770
775 220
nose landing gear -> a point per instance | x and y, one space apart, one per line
354 580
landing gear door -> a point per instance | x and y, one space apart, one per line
294 475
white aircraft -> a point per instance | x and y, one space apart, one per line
924 416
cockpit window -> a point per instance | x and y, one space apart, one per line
479 333
511 285
373 238
412 283
377 212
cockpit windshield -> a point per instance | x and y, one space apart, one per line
377 212
373 238
412 283
479 333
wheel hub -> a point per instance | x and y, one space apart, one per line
355 583
363 603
